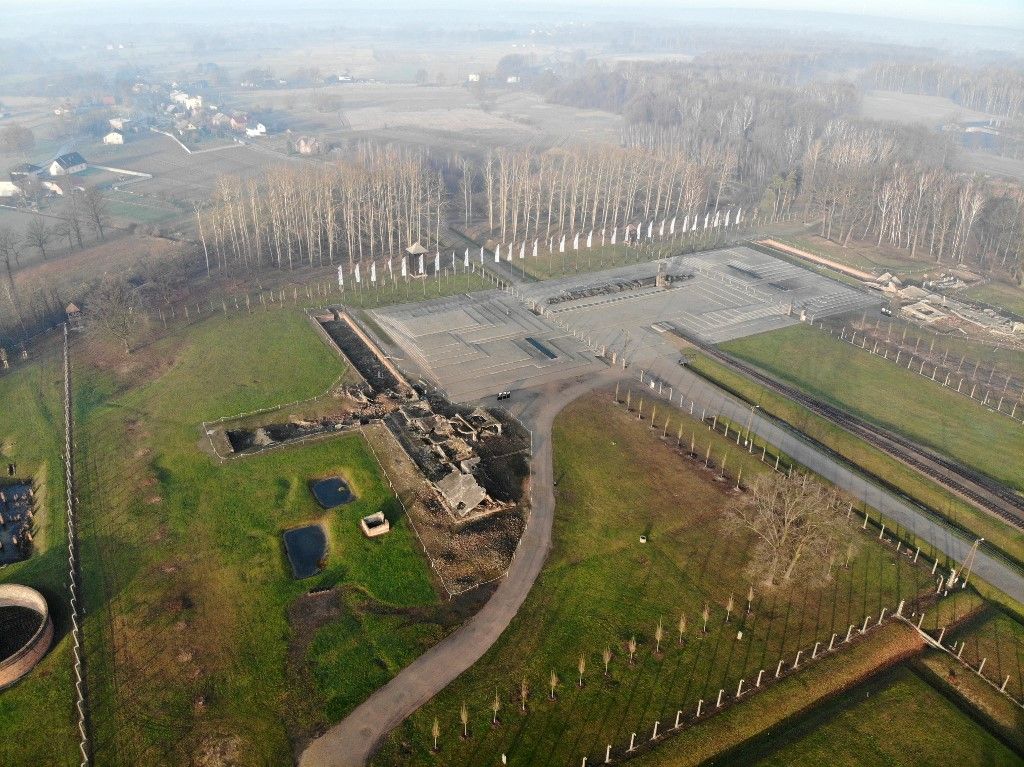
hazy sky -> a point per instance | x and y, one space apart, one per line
998 13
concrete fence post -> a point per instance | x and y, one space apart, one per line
632 742
679 714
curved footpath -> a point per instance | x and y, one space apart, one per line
352 742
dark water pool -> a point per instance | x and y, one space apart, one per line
17 626
331 492
306 548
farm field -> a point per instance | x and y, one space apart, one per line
601 586
915 108
183 567
434 114
866 456
37 714
891 396
905 723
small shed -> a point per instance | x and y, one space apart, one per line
416 249
74 315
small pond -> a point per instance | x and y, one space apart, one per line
15 523
306 548
331 492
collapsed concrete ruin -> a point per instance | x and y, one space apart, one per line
451 443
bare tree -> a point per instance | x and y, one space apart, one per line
606 656
464 718
38 235
8 251
114 311
659 634
682 627
632 649
435 732
495 706
94 205
797 524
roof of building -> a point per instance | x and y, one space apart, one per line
69 160
26 167
416 249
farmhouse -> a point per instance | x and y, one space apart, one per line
259 130
118 123
67 164
113 138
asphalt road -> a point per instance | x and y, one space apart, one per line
352 742
692 387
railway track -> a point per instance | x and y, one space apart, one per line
983 491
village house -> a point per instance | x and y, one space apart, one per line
67 164
118 123
259 130
113 138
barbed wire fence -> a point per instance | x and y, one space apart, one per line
74 574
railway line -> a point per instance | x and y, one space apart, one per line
985 492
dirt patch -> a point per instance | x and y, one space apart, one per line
306 615
219 751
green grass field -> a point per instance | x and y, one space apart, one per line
867 457
37 713
601 586
999 294
906 723
891 396
864 256
998 638
187 587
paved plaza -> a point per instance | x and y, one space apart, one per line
476 345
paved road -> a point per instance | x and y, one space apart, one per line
353 741
694 388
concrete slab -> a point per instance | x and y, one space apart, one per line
476 345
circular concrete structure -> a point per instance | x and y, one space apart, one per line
27 631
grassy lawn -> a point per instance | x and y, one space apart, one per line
737 734
999 294
400 291
1000 640
616 481
891 396
860 255
869 458
38 713
906 723
190 646
957 683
